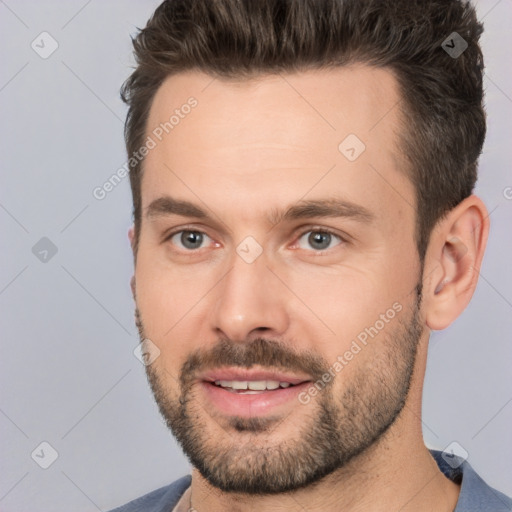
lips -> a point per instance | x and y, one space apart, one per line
243 378
250 393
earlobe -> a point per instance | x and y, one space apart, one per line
454 257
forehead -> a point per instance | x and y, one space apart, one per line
276 136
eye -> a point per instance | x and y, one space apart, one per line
189 239
319 239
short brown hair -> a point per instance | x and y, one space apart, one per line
442 113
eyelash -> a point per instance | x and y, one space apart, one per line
316 229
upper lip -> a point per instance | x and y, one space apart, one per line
242 374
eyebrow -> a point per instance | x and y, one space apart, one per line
304 209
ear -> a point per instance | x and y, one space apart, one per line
131 237
452 262
132 286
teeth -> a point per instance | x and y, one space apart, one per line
255 385
258 385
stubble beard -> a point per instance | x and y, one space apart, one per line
240 455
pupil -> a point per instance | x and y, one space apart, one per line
191 239
320 240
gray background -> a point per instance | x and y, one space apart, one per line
68 375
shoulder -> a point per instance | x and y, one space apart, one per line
475 494
160 500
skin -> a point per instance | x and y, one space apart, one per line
251 147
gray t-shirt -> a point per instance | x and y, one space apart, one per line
475 494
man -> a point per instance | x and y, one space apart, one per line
302 176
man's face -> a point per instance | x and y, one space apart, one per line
287 342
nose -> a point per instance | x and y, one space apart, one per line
249 302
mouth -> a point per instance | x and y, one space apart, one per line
251 393
253 387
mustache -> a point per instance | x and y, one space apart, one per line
260 351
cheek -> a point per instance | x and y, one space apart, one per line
172 301
351 302
164 296
161 306
338 295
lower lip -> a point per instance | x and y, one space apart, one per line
249 405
